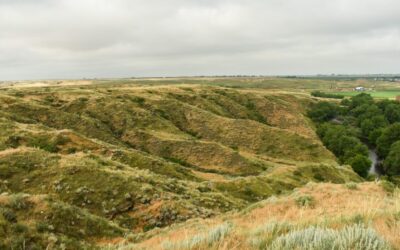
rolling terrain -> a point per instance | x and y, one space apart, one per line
154 164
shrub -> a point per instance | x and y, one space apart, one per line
13 141
19 228
360 164
42 227
305 201
18 202
44 143
351 185
9 215
323 111
387 186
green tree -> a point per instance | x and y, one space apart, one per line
374 135
342 141
365 111
382 104
323 111
392 161
389 135
360 164
392 113
360 99
369 125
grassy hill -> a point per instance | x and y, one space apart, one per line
98 164
316 216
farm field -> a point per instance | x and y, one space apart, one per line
390 94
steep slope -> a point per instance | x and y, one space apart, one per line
127 159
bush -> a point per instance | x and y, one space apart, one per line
18 202
323 111
305 201
351 185
42 227
19 228
360 164
387 186
9 215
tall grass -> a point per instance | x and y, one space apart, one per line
261 236
201 241
356 237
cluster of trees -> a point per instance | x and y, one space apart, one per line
344 143
326 95
342 128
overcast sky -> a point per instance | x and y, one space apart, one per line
42 39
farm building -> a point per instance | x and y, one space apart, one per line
359 89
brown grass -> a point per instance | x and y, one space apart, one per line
335 206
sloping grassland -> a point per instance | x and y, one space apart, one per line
92 165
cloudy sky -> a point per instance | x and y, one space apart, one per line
42 39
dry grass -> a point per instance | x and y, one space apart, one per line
335 208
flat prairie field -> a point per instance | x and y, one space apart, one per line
391 94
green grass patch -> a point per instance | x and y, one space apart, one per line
390 94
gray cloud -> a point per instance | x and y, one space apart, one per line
100 38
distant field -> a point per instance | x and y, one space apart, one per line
376 94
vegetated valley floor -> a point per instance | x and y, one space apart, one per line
155 166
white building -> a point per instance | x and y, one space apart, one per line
359 89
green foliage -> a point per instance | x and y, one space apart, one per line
392 161
305 201
392 112
326 95
377 122
387 186
65 219
351 185
8 214
42 227
365 111
390 135
19 228
323 111
360 164
371 124
361 99
342 142
374 135
18 202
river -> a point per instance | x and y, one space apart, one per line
375 168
